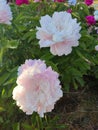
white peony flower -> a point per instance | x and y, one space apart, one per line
96 15
72 2
96 47
59 32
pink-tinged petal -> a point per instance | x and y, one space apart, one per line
29 63
43 33
46 43
60 49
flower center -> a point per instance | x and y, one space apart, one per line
58 37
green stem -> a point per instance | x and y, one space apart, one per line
1 56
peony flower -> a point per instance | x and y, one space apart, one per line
59 0
5 12
37 0
90 20
72 2
89 2
96 28
38 87
20 2
96 12
96 47
96 15
69 11
59 32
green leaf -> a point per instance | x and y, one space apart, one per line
53 65
1 120
4 77
12 44
27 127
16 126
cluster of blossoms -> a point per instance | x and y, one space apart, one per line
38 87
70 2
20 2
5 12
35 80
90 19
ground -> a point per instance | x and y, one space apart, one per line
79 109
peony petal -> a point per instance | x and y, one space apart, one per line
46 43
60 49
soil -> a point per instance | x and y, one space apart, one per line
79 109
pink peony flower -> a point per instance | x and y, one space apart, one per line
69 11
59 32
37 0
5 12
20 2
59 0
89 2
90 20
38 87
